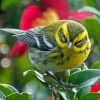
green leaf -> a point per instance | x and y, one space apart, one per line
97 18
85 77
64 95
83 91
93 28
91 9
6 3
89 3
41 79
75 4
96 65
97 4
18 96
75 70
39 76
91 96
2 95
29 73
70 93
7 89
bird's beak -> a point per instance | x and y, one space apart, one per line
70 44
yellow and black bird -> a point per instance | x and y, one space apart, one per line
56 47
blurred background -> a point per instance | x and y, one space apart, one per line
26 14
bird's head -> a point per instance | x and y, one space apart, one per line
72 34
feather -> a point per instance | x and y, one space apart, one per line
13 31
32 37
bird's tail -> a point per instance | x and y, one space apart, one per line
28 37
13 31
20 35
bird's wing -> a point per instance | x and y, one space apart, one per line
33 37
41 37
36 38
46 36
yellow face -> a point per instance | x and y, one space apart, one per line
73 35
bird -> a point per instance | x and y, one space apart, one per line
57 47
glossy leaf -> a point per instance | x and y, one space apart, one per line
63 95
2 95
29 73
18 96
91 96
7 89
70 93
83 91
39 76
92 27
97 18
91 9
85 78
75 70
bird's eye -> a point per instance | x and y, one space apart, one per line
78 43
81 42
62 36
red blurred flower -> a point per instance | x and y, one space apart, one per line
79 15
95 87
30 14
33 13
18 49
38 15
49 12
60 6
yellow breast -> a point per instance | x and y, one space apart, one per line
70 59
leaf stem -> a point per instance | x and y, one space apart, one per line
74 98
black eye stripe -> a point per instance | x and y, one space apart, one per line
62 36
77 42
81 42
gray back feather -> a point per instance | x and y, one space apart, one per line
33 37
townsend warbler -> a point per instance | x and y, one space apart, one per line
56 47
